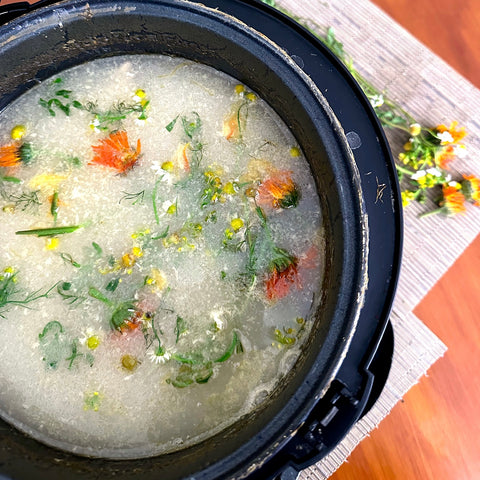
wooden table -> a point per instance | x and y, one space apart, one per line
435 432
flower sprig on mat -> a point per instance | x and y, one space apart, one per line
423 163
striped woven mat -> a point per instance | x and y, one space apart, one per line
392 59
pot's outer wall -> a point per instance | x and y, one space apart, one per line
39 46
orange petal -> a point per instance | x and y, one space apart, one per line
9 155
115 152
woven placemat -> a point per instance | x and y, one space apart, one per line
392 59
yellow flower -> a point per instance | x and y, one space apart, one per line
237 224
229 189
46 182
294 152
93 342
157 280
415 129
172 209
167 166
407 197
18 131
52 243
239 88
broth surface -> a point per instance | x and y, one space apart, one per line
161 253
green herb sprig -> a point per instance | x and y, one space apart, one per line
57 102
50 231
11 295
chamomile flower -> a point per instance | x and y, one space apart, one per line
91 338
158 356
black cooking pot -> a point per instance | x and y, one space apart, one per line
331 384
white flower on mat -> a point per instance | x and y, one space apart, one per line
418 174
445 137
435 172
377 100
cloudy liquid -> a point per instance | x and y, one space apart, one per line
186 291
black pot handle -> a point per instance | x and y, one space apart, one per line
332 417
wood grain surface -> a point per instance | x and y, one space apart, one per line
434 434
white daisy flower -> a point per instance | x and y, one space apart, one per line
377 101
91 338
418 174
154 358
445 137
435 172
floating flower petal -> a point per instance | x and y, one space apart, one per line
280 282
278 191
10 155
115 152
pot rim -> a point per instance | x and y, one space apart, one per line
53 14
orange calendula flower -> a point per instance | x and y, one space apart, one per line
13 154
279 282
278 191
451 134
471 189
283 275
444 156
115 152
10 155
453 200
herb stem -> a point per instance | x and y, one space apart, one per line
95 293
154 201
48 232
11 179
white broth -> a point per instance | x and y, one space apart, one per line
161 252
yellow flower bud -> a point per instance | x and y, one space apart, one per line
251 96
140 93
415 129
128 260
18 131
239 88
93 342
294 152
52 243
229 189
167 166
237 224
172 209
